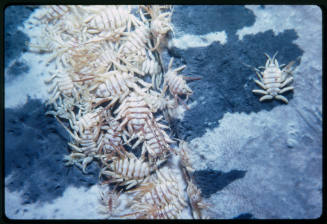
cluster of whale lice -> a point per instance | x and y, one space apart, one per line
110 90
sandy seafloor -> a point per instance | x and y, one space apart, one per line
252 160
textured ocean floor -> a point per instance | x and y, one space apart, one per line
252 160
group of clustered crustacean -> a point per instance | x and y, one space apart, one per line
103 56
99 94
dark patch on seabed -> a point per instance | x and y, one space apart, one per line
245 216
203 19
211 181
15 39
16 69
35 145
226 84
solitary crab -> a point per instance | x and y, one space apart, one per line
274 80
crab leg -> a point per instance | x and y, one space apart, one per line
286 89
282 98
260 84
257 71
266 97
287 81
260 91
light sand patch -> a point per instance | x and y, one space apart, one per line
191 41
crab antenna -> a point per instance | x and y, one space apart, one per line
273 58
268 61
268 56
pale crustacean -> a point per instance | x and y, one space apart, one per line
160 22
152 67
134 45
66 18
155 141
100 58
86 143
72 23
109 201
62 86
193 192
57 43
135 113
86 129
109 57
184 156
159 102
126 169
113 136
90 140
80 160
115 85
196 200
176 83
148 131
111 18
83 59
53 13
86 120
273 80
109 22
63 108
164 194
148 211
